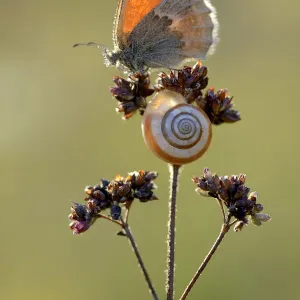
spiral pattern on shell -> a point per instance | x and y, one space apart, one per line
175 131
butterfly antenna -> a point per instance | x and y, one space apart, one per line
99 46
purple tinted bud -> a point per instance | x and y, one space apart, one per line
79 227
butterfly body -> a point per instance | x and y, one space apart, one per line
147 47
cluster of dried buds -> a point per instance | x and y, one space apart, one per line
111 195
189 82
234 195
218 107
132 93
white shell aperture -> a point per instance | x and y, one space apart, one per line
175 131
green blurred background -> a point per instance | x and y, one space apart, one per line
59 132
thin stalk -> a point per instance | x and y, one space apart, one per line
224 230
110 219
222 210
170 272
233 222
128 206
139 258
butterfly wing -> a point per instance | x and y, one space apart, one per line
175 30
129 14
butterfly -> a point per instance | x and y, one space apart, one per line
160 34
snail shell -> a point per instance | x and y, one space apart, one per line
175 131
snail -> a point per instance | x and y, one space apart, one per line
177 132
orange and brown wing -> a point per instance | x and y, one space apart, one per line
175 31
129 14
199 28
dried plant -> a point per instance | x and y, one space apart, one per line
191 114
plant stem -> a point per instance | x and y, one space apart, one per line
128 205
222 210
232 223
174 175
224 230
139 258
110 219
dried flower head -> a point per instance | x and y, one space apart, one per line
208 184
81 218
98 197
120 190
132 93
112 195
218 106
189 82
234 194
143 185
